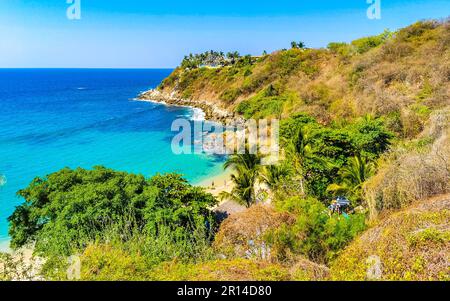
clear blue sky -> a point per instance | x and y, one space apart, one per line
152 34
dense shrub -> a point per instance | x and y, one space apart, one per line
315 234
107 263
418 32
230 95
342 49
370 136
240 270
136 258
365 44
69 209
264 105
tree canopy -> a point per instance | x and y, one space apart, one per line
320 152
70 208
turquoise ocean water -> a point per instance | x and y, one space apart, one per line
56 118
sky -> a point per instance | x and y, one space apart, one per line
157 34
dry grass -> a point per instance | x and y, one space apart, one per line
386 79
305 270
413 244
221 270
242 234
239 270
415 171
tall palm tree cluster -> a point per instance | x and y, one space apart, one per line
288 177
248 172
298 45
210 58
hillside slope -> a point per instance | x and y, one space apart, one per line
401 75
359 93
413 244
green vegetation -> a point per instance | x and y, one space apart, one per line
222 270
368 120
72 208
357 171
343 49
321 155
278 178
315 233
339 83
268 103
247 170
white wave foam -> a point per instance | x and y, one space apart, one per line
198 114
2 180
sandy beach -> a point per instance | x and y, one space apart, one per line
216 184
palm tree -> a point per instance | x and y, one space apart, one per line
247 170
299 149
300 144
233 56
243 191
298 45
276 177
301 45
247 161
358 170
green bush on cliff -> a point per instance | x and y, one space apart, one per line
268 103
260 107
230 95
365 44
342 49
106 263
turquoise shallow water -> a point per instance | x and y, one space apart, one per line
56 118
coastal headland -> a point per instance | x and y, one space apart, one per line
211 110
